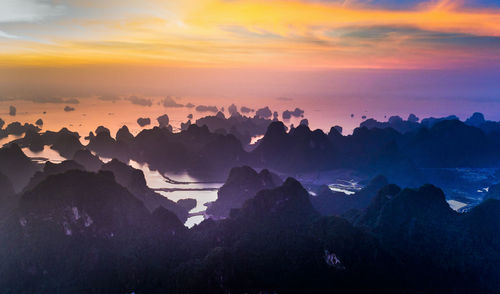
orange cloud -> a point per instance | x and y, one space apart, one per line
286 34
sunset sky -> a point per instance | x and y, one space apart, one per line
93 41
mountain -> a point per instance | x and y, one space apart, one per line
76 231
52 169
328 202
104 145
242 127
451 143
277 243
242 184
298 150
65 142
88 160
428 236
203 154
16 166
8 199
133 179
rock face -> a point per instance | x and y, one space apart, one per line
133 179
16 166
242 184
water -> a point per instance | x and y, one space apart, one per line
178 185
8 139
178 189
47 154
349 187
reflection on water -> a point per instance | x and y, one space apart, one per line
348 187
256 139
456 205
9 138
47 154
194 220
181 181
154 180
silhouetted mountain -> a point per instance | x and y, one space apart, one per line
394 122
65 142
133 179
276 243
143 121
187 204
242 127
8 199
242 184
435 241
104 145
298 150
123 135
82 228
52 169
197 150
451 143
431 121
16 128
16 166
476 120
328 202
88 160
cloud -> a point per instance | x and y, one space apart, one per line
264 112
28 10
170 102
245 109
8 36
140 101
112 98
272 34
205 108
54 100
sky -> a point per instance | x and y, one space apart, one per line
245 48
